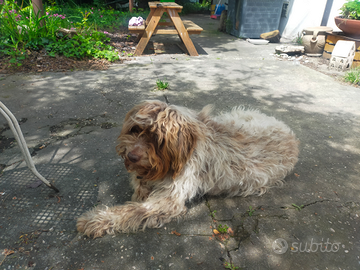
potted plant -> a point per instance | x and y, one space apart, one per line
349 21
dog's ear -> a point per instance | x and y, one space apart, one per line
177 136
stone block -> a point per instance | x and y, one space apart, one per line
342 55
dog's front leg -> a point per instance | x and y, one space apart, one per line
142 189
153 213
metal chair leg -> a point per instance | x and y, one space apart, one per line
15 128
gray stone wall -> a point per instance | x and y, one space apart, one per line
250 18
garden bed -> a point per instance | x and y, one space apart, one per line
40 61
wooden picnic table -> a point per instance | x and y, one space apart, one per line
174 26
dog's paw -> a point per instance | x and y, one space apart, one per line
94 224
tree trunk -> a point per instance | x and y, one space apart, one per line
38 10
131 5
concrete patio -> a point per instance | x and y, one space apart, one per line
71 122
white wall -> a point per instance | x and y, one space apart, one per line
308 13
335 11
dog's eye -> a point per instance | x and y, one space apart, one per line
135 129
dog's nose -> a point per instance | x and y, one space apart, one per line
133 158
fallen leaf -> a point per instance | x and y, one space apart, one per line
216 232
7 252
176 233
152 258
297 175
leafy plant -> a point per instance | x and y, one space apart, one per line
222 229
230 266
197 7
297 207
353 76
162 85
251 211
212 214
351 10
86 45
298 39
22 30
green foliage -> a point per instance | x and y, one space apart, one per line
162 85
222 229
203 7
297 207
251 211
212 214
21 30
86 45
351 10
353 76
299 39
228 265
99 18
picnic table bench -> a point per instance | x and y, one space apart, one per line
174 26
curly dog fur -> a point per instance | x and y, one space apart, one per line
174 153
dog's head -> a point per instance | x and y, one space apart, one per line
157 139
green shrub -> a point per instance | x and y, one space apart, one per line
22 29
81 46
188 7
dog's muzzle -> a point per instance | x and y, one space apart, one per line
133 157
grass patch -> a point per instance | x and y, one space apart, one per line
298 39
251 211
353 76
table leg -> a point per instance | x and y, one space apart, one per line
149 30
184 35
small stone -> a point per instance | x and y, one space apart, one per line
290 50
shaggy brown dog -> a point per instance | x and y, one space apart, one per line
174 153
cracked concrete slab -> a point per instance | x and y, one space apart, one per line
74 118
